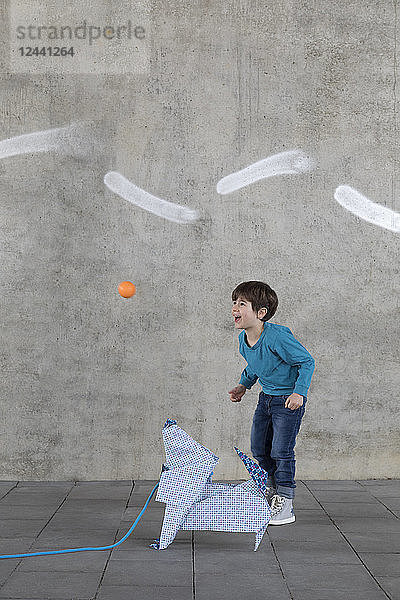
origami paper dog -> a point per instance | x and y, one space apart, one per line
194 502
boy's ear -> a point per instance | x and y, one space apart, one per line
264 311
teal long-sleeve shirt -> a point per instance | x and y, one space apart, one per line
278 360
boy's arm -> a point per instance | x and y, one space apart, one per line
294 353
248 378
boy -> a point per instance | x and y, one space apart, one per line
284 368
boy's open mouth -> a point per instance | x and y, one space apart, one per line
237 319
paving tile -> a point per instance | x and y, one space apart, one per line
79 508
317 552
79 528
144 491
263 551
178 552
301 489
14 545
346 496
37 546
224 540
352 593
148 572
381 565
62 521
304 532
11 546
103 490
336 485
110 482
389 488
311 516
374 542
306 502
4 491
138 483
328 576
25 512
382 492
27 498
144 487
383 482
70 539
94 504
395 511
150 531
374 524
153 511
135 592
62 586
6 568
132 514
45 484
143 530
142 542
391 503
237 587
138 501
42 489
349 509
21 527
7 565
74 561
391 585
216 561
143 494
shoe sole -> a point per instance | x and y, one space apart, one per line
283 521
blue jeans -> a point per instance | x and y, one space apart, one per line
273 437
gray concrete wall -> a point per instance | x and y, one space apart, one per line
88 378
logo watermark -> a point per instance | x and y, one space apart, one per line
48 37
91 33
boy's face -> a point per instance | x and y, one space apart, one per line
244 315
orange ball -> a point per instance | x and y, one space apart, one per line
127 289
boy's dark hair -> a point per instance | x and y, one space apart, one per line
260 295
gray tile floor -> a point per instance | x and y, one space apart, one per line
345 543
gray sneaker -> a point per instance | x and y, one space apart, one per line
282 511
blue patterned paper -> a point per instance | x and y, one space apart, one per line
257 473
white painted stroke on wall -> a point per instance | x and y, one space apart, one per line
291 162
39 141
364 208
126 189
74 139
79 139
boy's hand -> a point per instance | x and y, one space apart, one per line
237 393
294 401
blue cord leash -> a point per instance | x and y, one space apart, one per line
84 549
